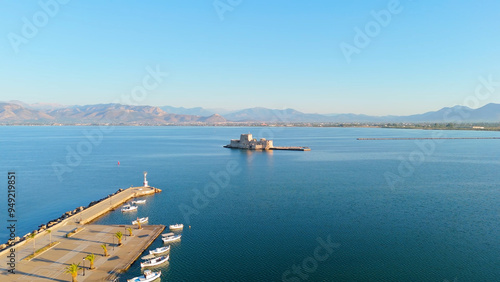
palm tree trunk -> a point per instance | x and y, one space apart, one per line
73 276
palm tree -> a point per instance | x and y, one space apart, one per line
73 270
32 236
91 259
105 248
119 236
138 224
50 235
129 229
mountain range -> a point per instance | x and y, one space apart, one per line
16 112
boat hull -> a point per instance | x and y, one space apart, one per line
171 239
141 220
159 251
154 262
146 277
176 227
133 208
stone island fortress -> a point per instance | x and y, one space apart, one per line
247 142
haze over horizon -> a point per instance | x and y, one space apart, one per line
415 57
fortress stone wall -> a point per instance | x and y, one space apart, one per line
246 141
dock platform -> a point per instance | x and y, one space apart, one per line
50 265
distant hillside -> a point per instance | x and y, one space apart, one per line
272 115
487 113
490 112
38 106
100 113
19 112
117 113
198 111
215 118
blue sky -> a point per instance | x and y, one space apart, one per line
276 54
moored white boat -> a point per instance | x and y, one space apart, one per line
139 202
127 208
146 257
171 238
147 277
155 261
159 250
178 226
141 220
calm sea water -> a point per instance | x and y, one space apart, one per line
436 218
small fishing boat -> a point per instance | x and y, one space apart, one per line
160 250
168 234
171 238
147 277
146 257
155 261
176 226
141 220
139 202
127 208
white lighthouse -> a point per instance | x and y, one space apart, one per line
145 180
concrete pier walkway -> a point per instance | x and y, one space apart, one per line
50 265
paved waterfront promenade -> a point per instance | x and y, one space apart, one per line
50 265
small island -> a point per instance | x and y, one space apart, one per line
247 142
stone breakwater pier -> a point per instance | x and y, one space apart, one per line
291 148
428 138
84 238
